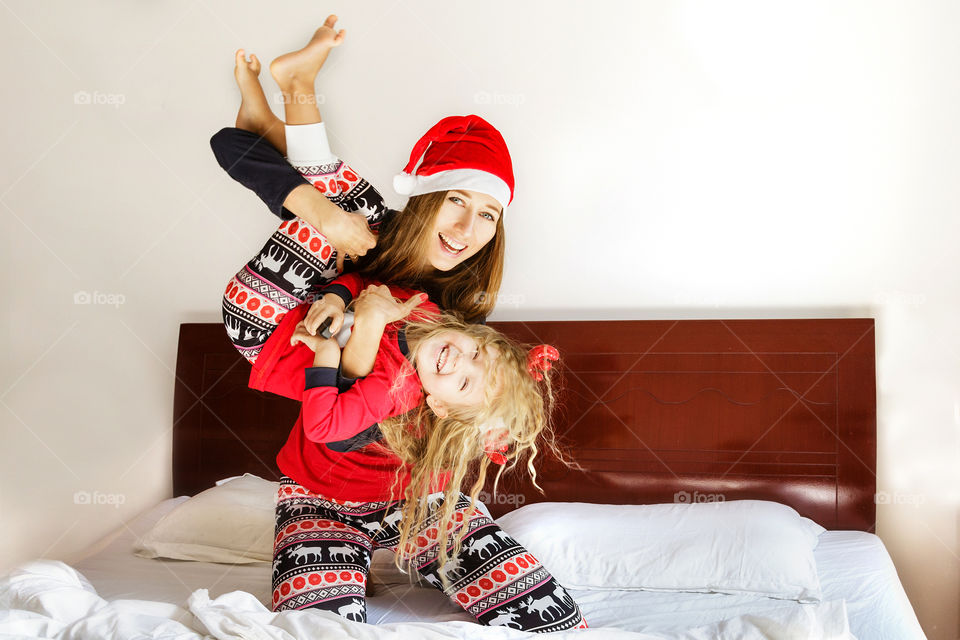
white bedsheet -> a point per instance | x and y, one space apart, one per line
853 567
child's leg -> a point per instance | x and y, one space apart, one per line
497 581
320 558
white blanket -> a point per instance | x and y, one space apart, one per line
48 599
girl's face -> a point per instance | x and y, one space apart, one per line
467 221
452 370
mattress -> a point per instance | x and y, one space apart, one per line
853 566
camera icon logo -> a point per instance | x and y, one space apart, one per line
682 497
81 497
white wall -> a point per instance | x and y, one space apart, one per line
673 159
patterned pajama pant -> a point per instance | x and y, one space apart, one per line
322 551
295 263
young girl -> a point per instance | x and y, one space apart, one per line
365 462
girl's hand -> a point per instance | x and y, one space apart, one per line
317 344
329 306
377 303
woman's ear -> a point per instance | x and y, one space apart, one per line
437 406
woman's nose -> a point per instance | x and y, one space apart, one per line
464 222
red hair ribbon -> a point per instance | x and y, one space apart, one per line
541 358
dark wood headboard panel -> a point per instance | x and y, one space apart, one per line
653 410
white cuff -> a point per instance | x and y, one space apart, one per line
307 145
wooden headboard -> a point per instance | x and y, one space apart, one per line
653 410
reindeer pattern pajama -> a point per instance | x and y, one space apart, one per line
296 260
323 547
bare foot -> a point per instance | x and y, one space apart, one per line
255 114
298 70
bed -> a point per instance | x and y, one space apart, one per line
655 412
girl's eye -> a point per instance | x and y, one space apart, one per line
463 385
476 354
456 200
488 216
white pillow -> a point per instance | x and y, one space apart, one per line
231 522
744 546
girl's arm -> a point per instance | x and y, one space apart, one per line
374 309
331 416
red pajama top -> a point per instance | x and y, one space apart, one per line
331 414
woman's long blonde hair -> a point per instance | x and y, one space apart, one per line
521 407
469 289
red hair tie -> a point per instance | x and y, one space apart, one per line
541 358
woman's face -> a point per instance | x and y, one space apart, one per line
452 369
466 222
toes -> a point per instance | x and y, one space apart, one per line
240 57
254 63
330 21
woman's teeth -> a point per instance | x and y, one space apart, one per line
451 245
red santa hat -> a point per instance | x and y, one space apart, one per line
459 152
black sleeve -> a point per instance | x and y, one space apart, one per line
257 165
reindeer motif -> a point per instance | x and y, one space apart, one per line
479 545
561 594
271 260
541 606
366 210
233 329
355 608
299 279
302 553
250 333
343 553
297 509
506 619
393 518
432 579
451 569
371 527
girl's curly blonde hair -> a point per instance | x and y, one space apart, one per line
518 405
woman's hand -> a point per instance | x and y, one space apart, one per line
329 306
348 232
377 304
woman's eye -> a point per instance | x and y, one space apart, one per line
476 354
488 216
456 200
463 385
